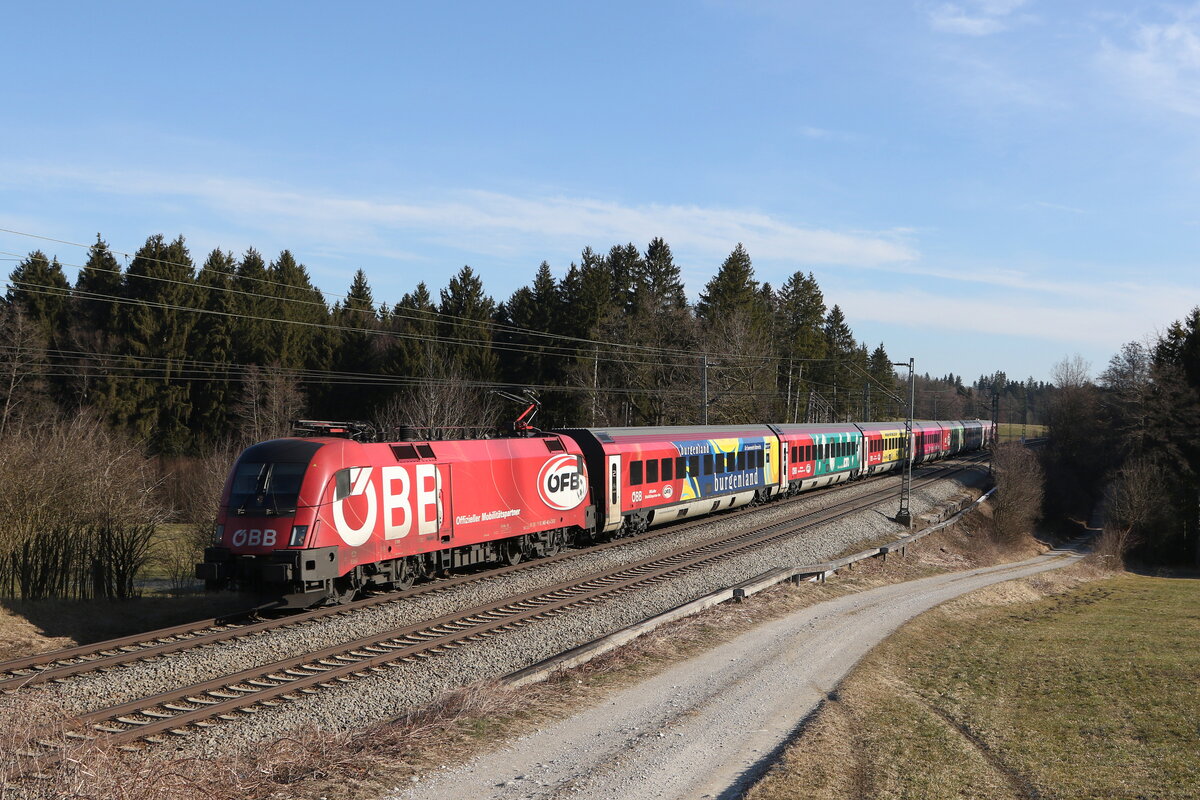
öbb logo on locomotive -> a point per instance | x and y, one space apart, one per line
561 483
356 523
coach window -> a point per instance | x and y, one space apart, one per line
741 461
730 462
635 473
694 466
709 467
652 471
680 467
668 465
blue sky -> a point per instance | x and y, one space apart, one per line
982 185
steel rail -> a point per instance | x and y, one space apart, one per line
82 659
201 704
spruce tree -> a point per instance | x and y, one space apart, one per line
39 288
840 349
301 308
155 327
97 282
733 290
357 349
467 314
213 342
658 284
93 324
256 307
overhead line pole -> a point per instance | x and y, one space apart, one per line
904 515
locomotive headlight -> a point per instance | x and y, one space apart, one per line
218 534
299 534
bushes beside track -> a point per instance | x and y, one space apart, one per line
80 508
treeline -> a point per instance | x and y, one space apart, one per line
184 359
1130 440
992 396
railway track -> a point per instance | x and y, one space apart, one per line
70 662
178 712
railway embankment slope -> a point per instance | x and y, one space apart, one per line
711 725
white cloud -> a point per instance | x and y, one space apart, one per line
1105 317
1161 63
975 17
487 222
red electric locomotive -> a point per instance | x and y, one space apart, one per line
305 520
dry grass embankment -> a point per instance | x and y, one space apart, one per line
1070 684
344 764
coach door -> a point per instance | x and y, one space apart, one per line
612 519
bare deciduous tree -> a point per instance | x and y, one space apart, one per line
442 405
22 350
1133 504
1017 504
270 401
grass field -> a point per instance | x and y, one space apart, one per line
1010 431
1040 688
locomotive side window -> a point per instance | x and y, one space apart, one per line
635 473
652 471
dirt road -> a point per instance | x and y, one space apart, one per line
708 727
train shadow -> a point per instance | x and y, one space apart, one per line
86 621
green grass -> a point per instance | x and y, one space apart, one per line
1091 693
1010 431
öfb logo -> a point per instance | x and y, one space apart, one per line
561 484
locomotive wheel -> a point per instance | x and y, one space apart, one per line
513 551
405 574
553 543
345 589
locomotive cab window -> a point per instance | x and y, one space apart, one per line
272 488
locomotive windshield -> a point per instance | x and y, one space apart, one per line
266 488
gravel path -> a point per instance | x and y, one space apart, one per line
710 726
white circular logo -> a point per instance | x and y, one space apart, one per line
668 491
561 482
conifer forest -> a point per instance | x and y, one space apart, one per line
126 394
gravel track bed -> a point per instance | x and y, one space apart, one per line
382 696
142 679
